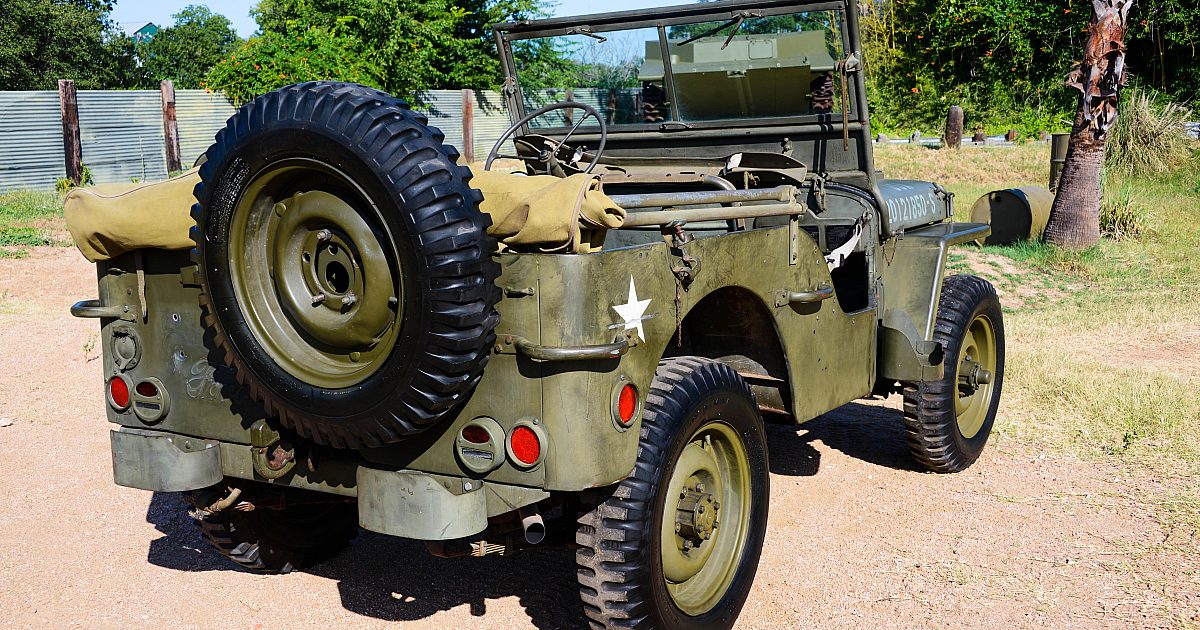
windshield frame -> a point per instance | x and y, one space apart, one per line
660 19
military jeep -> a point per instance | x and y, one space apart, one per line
574 344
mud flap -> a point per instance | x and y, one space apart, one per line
163 462
420 506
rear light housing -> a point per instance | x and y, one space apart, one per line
626 405
150 400
526 444
480 445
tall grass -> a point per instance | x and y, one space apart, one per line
1149 137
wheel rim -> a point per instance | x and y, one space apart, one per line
318 286
974 376
706 518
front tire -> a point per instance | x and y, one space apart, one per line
948 421
677 543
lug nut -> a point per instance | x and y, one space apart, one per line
324 235
349 299
318 298
699 486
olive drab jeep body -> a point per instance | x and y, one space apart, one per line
361 332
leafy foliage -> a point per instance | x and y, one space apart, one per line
273 60
185 51
401 46
1004 61
47 40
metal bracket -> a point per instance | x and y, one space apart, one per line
687 267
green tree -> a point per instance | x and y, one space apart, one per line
401 46
185 51
273 60
47 40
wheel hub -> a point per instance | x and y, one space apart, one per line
319 284
331 274
971 376
975 376
696 516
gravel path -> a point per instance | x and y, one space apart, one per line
857 538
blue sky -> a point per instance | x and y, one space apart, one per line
132 14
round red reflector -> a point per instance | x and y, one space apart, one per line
147 389
476 434
627 404
525 445
118 392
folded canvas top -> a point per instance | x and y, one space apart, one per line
530 214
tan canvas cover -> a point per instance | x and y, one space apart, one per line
540 213
111 219
547 214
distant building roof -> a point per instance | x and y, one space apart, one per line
145 33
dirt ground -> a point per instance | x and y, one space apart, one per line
857 538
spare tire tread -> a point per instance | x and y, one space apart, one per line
457 272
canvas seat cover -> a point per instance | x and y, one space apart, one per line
530 214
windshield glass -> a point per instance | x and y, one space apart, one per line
749 67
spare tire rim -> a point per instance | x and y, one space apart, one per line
976 371
706 517
319 286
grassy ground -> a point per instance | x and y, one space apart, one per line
30 219
1104 344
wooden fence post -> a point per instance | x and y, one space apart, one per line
170 126
468 125
72 148
954 127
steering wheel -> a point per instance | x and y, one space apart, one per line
549 155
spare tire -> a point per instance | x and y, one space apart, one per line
344 264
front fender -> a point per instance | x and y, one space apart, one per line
912 268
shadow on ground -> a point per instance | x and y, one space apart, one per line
868 432
395 579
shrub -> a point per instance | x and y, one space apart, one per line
1149 137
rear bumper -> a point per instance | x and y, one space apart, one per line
396 502
163 462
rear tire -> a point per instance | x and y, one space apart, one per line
948 421
278 541
677 543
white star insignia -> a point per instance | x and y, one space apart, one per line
633 311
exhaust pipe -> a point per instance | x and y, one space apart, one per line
532 524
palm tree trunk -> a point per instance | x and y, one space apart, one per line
1075 217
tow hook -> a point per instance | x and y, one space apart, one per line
271 456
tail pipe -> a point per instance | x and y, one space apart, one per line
532 524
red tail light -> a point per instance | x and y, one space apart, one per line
627 403
525 445
118 393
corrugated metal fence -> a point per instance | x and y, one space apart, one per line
31 140
122 134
